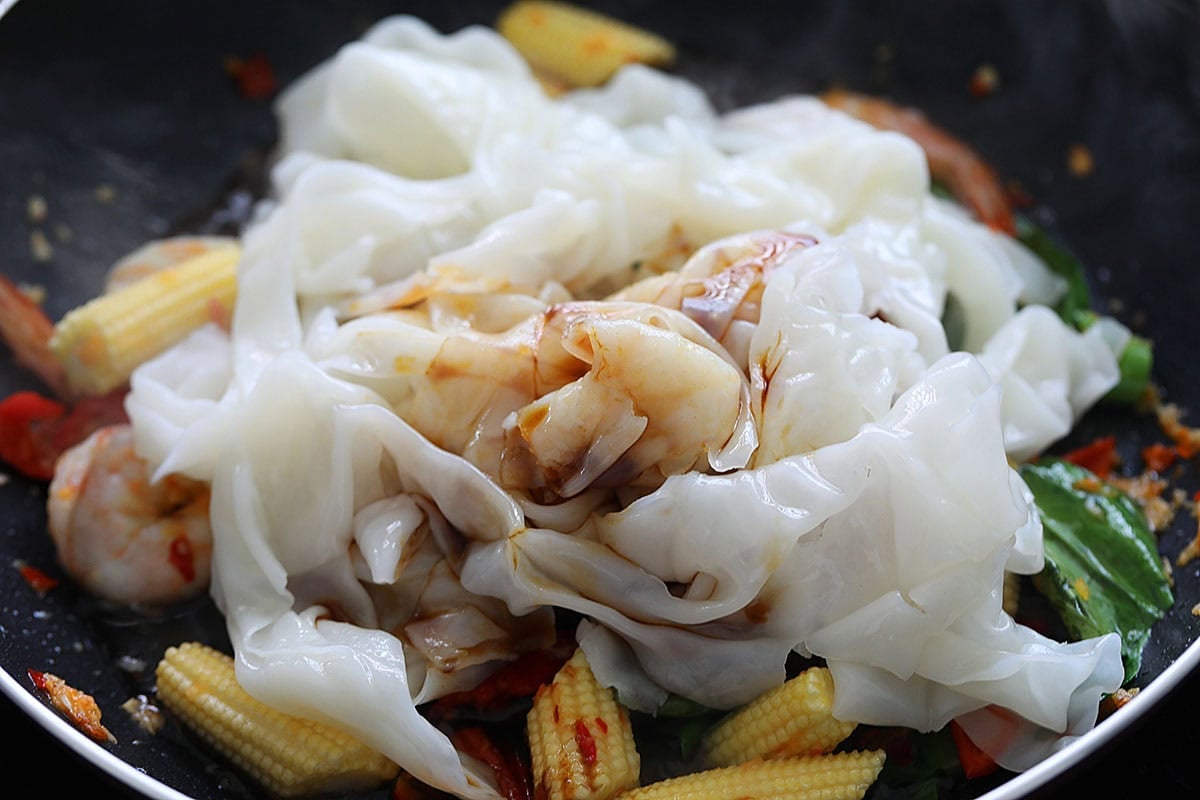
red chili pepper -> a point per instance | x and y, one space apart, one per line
1018 195
28 422
39 581
513 776
984 81
1159 457
520 774
38 678
520 678
1185 446
585 742
975 762
255 77
1099 457
89 414
35 430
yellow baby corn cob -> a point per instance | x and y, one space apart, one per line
101 342
580 740
288 756
794 719
837 776
577 46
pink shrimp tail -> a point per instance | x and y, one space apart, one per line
26 330
952 161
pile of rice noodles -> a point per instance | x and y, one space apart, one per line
680 372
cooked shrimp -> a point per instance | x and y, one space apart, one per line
659 395
721 285
26 329
576 394
951 160
79 707
119 535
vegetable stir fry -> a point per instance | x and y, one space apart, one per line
548 433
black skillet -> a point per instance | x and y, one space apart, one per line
122 118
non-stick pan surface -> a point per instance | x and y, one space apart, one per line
122 118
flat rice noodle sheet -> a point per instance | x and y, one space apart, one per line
821 368
288 511
1051 374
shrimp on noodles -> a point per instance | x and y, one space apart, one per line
122 536
951 160
576 394
720 287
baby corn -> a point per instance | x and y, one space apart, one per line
838 776
577 47
101 342
580 740
794 719
287 756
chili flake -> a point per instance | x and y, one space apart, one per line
1186 439
1158 457
585 742
1099 457
984 81
1017 194
254 76
39 581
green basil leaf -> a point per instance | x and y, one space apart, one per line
1136 364
1074 308
677 706
689 721
670 738
691 732
1078 299
1103 572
